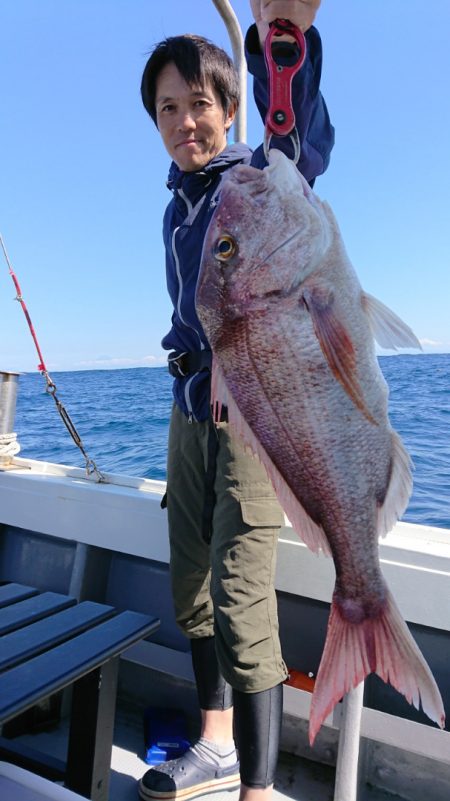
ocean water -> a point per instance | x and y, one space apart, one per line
122 417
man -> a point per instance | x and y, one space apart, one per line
223 516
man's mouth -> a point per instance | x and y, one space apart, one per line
186 142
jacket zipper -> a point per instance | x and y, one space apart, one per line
187 398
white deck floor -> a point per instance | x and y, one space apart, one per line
297 779
302 782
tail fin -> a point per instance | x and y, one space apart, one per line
381 645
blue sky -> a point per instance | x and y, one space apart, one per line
82 181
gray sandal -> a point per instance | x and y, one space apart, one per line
187 777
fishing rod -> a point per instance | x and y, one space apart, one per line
91 467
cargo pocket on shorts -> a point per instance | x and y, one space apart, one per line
262 512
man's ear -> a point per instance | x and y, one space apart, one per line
230 115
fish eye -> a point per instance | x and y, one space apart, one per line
224 248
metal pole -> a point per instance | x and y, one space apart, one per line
9 446
237 43
8 395
346 783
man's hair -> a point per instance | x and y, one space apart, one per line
199 62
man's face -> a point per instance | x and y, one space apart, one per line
191 120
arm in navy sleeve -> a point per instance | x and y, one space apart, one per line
313 123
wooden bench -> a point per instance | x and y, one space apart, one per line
48 642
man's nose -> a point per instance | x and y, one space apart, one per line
186 121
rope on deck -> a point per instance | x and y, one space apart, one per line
9 446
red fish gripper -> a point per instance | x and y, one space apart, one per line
280 117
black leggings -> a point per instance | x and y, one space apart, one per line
257 716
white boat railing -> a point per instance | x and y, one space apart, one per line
231 21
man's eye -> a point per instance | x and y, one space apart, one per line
167 107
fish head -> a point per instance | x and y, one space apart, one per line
267 234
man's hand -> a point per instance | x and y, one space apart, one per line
300 12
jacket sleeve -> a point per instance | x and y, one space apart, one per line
312 120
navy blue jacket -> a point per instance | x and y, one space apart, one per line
188 214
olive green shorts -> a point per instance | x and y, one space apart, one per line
224 587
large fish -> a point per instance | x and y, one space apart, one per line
292 335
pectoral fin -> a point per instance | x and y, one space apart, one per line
388 329
335 343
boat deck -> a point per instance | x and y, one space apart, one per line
47 508
298 779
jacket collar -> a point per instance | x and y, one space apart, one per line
194 183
